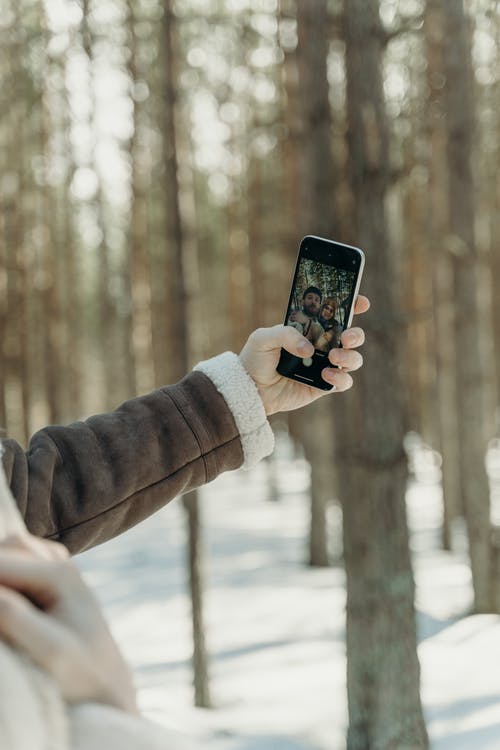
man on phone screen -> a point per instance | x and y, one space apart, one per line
306 320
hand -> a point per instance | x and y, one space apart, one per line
261 353
299 317
47 612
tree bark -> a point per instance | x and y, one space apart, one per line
113 334
383 670
442 271
3 319
138 260
475 371
316 216
17 395
53 338
316 177
175 281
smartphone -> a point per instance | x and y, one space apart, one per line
321 305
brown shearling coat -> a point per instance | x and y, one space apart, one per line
89 481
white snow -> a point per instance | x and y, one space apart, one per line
275 628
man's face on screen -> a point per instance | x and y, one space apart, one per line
311 304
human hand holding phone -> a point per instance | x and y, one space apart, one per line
262 351
325 284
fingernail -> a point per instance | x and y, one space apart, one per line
304 347
329 374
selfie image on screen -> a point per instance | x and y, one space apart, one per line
321 301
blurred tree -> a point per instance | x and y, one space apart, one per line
112 332
475 372
417 363
311 195
489 149
3 322
382 665
290 148
315 201
71 268
179 335
49 249
138 261
315 181
266 227
17 135
441 268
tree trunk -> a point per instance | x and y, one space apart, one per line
316 217
442 271
138 260
317 437
316 175
3 320
17 404
49 266
175 281
383 671
475 376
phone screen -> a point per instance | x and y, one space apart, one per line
320 307
320 302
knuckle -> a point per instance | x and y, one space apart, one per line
59 551
256 335
59 573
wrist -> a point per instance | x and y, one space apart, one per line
243 397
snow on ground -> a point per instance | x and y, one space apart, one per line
275 629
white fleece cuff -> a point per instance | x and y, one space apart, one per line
242 397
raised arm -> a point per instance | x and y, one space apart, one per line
87 482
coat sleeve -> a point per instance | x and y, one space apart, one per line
87 482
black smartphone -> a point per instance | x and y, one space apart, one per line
321 305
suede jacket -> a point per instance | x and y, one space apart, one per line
87 482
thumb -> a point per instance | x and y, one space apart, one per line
287 337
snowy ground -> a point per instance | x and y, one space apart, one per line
275 629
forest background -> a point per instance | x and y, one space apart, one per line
160 162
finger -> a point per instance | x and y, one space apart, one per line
41 580
347 359
362 304
267 339
352 338
29 630
340 379
34 546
